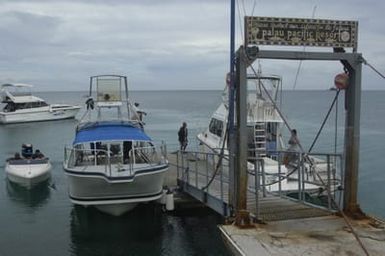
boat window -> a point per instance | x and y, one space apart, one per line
115 153
30 105
216 127
10 107
271 131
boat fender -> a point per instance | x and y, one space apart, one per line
163 198
169 201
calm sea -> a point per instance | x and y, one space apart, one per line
44 222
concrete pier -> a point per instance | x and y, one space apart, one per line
310 236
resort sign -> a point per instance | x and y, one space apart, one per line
306 32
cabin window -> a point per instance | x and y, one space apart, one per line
30 105
216 127
271 131
10 107
115 153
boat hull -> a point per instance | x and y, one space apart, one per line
117 196
39 114
28 174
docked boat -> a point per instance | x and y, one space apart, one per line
28 169
113 164
20 106
265 140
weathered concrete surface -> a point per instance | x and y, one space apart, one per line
313 236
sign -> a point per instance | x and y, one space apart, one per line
306 32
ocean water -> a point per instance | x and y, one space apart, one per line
44 222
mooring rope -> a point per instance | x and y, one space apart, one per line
373 68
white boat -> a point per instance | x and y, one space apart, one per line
26 170
264 133
21 106
113 164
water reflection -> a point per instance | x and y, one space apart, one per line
136 233
146 230
33 198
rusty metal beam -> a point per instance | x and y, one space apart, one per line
352 138
242 217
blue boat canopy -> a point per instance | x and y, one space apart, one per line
110 132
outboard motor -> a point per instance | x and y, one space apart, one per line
27 150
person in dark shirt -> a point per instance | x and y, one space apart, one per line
182 136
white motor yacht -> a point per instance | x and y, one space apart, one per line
264 133
21 106
28 169
113 164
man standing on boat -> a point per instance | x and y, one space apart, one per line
291 155
182 136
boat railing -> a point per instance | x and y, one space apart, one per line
317 177
113 164
150 155
311 178
77 157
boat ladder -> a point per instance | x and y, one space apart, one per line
260 138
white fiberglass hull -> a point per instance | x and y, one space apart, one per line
115 196
53 112
28 174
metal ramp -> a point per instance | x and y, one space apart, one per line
195 177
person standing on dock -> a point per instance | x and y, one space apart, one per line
182 136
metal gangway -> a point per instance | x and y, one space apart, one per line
268 197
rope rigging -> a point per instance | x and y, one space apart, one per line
336 206
373 68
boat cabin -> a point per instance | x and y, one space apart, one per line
16 98
114 147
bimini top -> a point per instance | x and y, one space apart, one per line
17 96
109 131
18 85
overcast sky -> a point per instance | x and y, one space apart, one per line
163 44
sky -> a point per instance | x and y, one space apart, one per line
57 45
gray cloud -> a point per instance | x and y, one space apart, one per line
168 44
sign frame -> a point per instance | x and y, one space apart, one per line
300 32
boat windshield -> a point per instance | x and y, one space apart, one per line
108 89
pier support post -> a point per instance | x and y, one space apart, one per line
352 137
242 217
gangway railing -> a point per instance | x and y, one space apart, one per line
306 179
